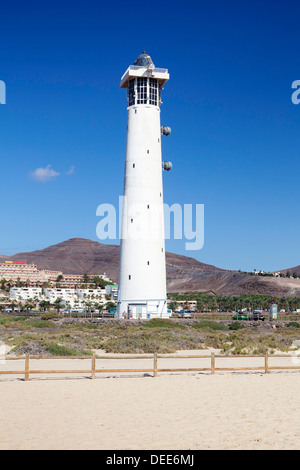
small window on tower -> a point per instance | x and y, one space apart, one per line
130 93
133 165
129 277
141 90
153 90
148 262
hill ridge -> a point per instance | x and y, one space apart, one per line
184 274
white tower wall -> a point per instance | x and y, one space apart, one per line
142 273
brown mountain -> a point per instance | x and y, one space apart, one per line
76 256
80 256
296 270
184 274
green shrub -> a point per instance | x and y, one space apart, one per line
236 325
59 350
294 324
51 316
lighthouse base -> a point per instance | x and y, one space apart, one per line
143 309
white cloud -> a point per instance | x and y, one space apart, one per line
71 170
44 174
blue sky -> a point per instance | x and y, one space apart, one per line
235 138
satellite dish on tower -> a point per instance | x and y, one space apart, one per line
167 166
166 130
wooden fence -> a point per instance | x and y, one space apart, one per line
92 371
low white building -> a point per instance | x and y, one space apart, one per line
73 298
112 290
95 295
68 296
25 293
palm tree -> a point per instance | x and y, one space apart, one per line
85 278
13 305
3 283
29 304
44 305
173 305
57 304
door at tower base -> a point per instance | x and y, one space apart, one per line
142 309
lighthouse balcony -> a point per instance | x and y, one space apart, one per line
134 71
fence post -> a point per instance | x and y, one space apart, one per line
155 365
27 368
93 365
213 362
266 363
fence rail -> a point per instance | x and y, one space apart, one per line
92 371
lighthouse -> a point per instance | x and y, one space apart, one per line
142 271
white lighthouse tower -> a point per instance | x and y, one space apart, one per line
142 273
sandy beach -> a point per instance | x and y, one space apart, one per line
135 411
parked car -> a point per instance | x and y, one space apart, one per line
180 314
187 314
240 316
184 314
256 315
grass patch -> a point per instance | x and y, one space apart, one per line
41 324
9 320
141 340
160 323
60 350
210 325
156 335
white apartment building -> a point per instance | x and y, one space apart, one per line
70 297
19 271
29 274
76 297
25 293
78 279
91 295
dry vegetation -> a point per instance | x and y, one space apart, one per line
56 336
